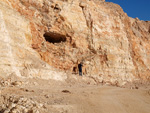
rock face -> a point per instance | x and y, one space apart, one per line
40 36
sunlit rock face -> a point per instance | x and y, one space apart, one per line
40 37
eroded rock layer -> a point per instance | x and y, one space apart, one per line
39 36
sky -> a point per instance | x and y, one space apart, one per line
135 8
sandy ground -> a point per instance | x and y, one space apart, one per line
68 97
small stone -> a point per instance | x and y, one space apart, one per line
66 91
16 83
47 96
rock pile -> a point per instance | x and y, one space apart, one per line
14 104
9 82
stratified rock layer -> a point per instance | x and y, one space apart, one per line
39 36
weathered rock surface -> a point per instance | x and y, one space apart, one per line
37 37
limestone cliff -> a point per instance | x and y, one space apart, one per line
40 36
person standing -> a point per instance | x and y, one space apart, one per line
80 69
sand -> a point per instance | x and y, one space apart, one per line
67 97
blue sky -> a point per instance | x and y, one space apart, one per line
135 8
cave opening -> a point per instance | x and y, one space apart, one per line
54 37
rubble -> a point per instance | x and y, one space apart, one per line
14 104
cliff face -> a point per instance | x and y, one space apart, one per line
39 36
